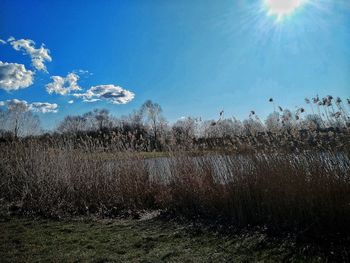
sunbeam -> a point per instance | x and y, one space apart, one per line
282 8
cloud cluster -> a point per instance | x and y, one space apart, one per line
63 85
14 76
38 55
110 93
23 106
44 107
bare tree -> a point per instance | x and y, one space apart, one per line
72 124
184 129
223 128
135 119
18 120
152 111
98 119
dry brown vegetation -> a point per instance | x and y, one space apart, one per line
291 178
308 191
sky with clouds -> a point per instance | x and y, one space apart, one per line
195 58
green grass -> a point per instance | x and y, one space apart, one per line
153 240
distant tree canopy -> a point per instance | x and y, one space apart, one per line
97 119
146 129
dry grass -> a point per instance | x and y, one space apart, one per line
308 191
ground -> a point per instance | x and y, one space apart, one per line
131 240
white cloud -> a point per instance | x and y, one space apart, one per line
14 76
38 55
71 101
111 93
63 85
44 107
82 72
88 100
22 105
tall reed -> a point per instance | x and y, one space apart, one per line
306 190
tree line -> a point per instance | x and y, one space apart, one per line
146 129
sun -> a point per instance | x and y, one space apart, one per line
282 8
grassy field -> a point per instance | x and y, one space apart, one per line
151 240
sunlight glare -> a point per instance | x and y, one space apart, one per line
282 8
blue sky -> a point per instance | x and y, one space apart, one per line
194 58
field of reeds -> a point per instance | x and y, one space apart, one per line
304 191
